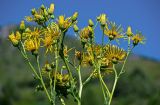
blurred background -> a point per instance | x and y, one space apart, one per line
138 86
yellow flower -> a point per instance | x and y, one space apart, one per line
86 33
51 34
129 32
31 45
18 35
75 28
29 19
48 43
106 63
51 9
62 80
90 22
66 50
15 38
87 60
22 25
53 30
63 23
138 38
74 17
114 32
114 53
36 33
78 55
102 19
96 49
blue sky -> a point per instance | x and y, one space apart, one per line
143 15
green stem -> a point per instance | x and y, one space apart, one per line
26 57
62 100
41 79
89 78
103 36
128 53
80 83
55 73
102 84
51 87
114 85
61 49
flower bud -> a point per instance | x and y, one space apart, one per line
42 7
51 9
27 30
18 35
76 29
61 21
52 16
13 39
114 61
35 52
74 17
33 11
22 25
129 32
103 19
45 12
63 67
91 24
39 17
53 65
48 67
98 18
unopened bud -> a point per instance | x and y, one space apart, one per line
91 24
53 65
74 17
48 67
51 9
103 19
27 30
13 39
33 11
129 32
42 7
45 12
35 52
22 25
76 29
98 18
52 16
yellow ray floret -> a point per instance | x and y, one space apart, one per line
114 53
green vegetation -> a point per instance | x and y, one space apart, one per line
139 85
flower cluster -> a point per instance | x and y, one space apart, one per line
63 76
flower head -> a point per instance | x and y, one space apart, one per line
22 25
129 32
15 38
138 38
51 9
74 17
36 33
63 23
31 45
48 43
114 53
86 33
113 32
103 19
41 15
53 30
